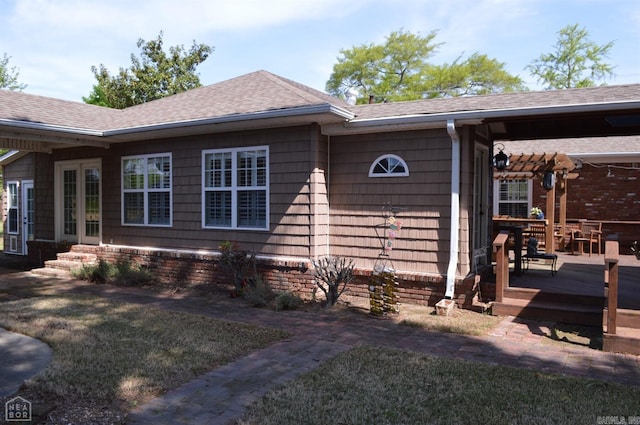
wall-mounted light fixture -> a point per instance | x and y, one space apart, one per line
501 160
549 180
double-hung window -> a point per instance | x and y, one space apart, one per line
513 198
146 190
235 184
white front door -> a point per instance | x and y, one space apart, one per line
78 201
28 214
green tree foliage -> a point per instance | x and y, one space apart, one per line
9 76
577 61
476 75
154 75
399 69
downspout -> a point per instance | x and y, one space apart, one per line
455 209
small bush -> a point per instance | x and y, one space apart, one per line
238 264
332 275
258 293
287 301
121 273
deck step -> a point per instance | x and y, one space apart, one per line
538 295
625 340
579 314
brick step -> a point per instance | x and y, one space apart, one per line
86 249
578 314
80 257
51 272
63 265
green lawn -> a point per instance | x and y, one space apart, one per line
120 354
384 386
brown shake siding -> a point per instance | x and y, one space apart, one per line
293 174
424 196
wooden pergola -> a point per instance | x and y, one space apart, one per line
529 166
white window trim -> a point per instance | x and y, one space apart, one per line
405 173
146 190
234 188
16 206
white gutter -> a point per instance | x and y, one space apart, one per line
476 116
455 210
29 125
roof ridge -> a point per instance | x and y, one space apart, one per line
306 92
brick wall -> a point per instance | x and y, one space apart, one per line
192 268
600 196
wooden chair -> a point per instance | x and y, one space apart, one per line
589 232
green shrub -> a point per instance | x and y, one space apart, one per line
257 292
287 301
121 273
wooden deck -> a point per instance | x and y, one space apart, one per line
582 275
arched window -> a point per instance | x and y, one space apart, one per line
389 165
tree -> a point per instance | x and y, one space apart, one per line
399 69
476 75
154 75
9 76
389 71
576 62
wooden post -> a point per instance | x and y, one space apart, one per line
550 215
562 219
501 248
611 257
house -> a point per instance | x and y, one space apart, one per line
604 188
286 171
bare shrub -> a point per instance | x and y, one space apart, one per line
332 274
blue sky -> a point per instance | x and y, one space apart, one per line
54 43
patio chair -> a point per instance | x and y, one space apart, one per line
533 254
589 232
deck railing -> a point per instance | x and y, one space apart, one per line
501 248
611 258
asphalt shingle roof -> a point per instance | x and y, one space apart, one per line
630 92
262 91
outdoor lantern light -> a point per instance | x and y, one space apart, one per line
549 180
501 160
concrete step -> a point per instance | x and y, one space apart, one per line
578 314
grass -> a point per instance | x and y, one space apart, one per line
459 321
112 351
385 386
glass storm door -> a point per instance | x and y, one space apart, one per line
79 202
28 214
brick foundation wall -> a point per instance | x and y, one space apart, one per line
39 251
292 275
